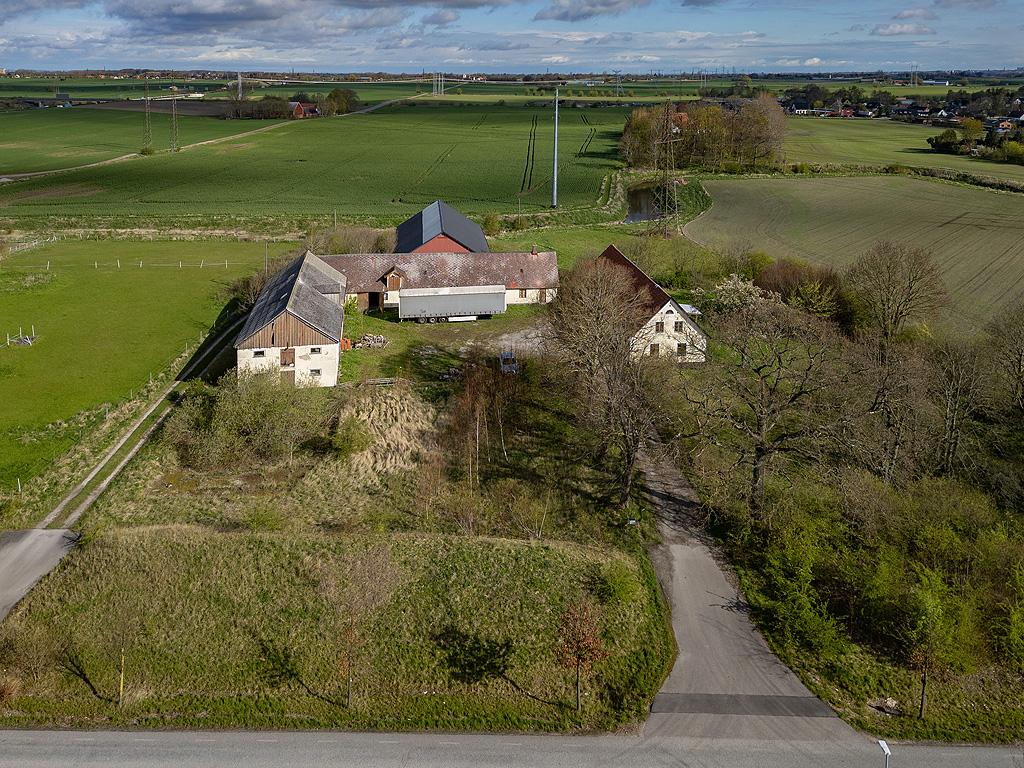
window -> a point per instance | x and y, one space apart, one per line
314 371
260 353
681 349
680 327
659 327
655 350
314 350
522 293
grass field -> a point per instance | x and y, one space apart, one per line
477 159
92 88
880 143
976 235
100 331
48 139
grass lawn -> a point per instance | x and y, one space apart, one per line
974 234
880 143
100 331
47 139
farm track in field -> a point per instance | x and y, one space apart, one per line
975 235
531 152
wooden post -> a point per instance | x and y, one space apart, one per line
118 263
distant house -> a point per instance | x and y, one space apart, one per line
668 329
299 109
439 228
296 324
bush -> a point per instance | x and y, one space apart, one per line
613 584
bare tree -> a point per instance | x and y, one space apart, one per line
371 578
1005 337
897 284
597 321
957 387
773 385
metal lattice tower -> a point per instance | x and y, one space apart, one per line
147 126
174 123
618 81
668 205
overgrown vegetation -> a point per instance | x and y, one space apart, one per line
866 481
401 565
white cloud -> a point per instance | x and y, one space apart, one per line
916 13
815 62
555 60
890 30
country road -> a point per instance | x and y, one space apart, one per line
326 749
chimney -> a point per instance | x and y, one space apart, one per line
534 251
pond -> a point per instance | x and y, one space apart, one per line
641 204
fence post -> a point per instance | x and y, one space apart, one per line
118 263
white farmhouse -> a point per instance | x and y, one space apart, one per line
668 329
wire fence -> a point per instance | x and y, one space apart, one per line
125 264
20 339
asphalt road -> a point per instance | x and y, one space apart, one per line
27 556
726 683
247 749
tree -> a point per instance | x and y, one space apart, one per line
772 386
896 285
371 578
971 129
957 388
1005 339
580 645
596 321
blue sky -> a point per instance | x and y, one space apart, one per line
513 35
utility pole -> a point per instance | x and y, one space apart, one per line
554 171
147 129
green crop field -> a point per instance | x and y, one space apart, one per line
100 331
976 235
386 164
880 143
48 139
95 88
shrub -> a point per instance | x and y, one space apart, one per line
613 584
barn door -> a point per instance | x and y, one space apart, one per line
287 356
288 378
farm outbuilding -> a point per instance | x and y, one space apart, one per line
378 280
296 324
439 228
668 329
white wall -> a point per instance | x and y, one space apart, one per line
305 361
532 296
669 339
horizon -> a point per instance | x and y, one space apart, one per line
503 36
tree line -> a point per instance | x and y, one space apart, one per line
740 134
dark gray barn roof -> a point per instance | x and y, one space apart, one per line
299 288
439 219
366 271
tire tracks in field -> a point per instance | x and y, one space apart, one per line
531 152
445 154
